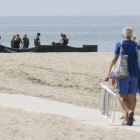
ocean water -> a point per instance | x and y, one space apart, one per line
104 31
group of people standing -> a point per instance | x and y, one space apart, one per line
16 42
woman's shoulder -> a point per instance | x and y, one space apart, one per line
118 44
135 43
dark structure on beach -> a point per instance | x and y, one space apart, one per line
50 48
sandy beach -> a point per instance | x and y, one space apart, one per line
17 124
65 77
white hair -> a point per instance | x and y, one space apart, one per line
128 32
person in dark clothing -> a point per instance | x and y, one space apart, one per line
0 40
37 40
65 40
16 42
12 40
19 39
25 42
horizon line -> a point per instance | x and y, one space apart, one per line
59 15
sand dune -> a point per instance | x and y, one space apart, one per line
66 77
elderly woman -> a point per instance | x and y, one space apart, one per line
127 87
133 38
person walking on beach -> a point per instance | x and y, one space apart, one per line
16 42
12 40
133 38
25 42
127 87
37 40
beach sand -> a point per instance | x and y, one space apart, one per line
23 125
65 77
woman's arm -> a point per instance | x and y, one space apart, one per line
63 41
112 63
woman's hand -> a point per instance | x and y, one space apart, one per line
112 63
107 78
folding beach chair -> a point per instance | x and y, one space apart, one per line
107 103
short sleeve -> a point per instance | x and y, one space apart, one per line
117 48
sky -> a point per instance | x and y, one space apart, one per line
69 7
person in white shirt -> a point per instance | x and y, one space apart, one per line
61 39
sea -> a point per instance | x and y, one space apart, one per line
104 31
